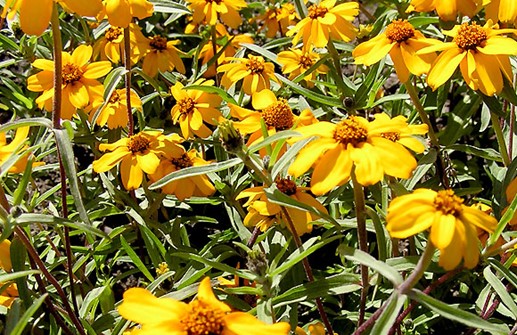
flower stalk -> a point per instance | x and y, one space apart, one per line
496 125
127 65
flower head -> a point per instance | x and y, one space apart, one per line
448 10
199 185
114 112
401 41
210 11
480 52
194 108
120 13
278 19
296 62
111 45
202 316
352 142
452 224
256 73
263 213
79 80
137 154
161 55
324 21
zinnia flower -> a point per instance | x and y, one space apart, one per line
401 41
480 52
111 45
210 11
120 13
137 154
198 186
278 19
255 71
193 108
502 10
15 147
448 10
324 21
80 86
296 62
35 14
263 213
114 112
161 55
352 142
453 224
204 315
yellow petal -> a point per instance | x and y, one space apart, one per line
5 255
444 67
35 16
85 8
131 173
333 169
442 229
244 323
109 160
97 69
206 295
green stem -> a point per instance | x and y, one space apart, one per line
127 64
418 272
496 125
343 89
360 212
213 32
421 112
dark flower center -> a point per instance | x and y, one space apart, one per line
469 37
278 115
286 186
316 11
182 162
255 64
394 137
203 320
400 31
448 203
158 43
138 144
113 33
114 98
71 73
186 106
306 61
350 131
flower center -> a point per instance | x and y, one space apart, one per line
470 36
113 33
306 61
392 136
203 320
71 73
186 106
158 43
316 11
216 1
448 203
138 144
350 131
278 115
114 98
255 64
400 31
286 186
183 162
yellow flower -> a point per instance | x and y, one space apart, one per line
401 41
120 13
137 154
114 112
210 11
111 45
11 291
276 113
480 52
35 14
405 134
204 315
352 142
448 10
193 108
207 51
263 213
256 73
277 20
502 10
163 267
15 147
324 21
453 225
198 186
161 55
295 62
80 86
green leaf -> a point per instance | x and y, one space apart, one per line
389 314
363 258
455 314
508 215
214 264
501 291
28 218
288 156
214 90
24 320
284 134
509 275
136 260
308 94
486 153
6 277
194 171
